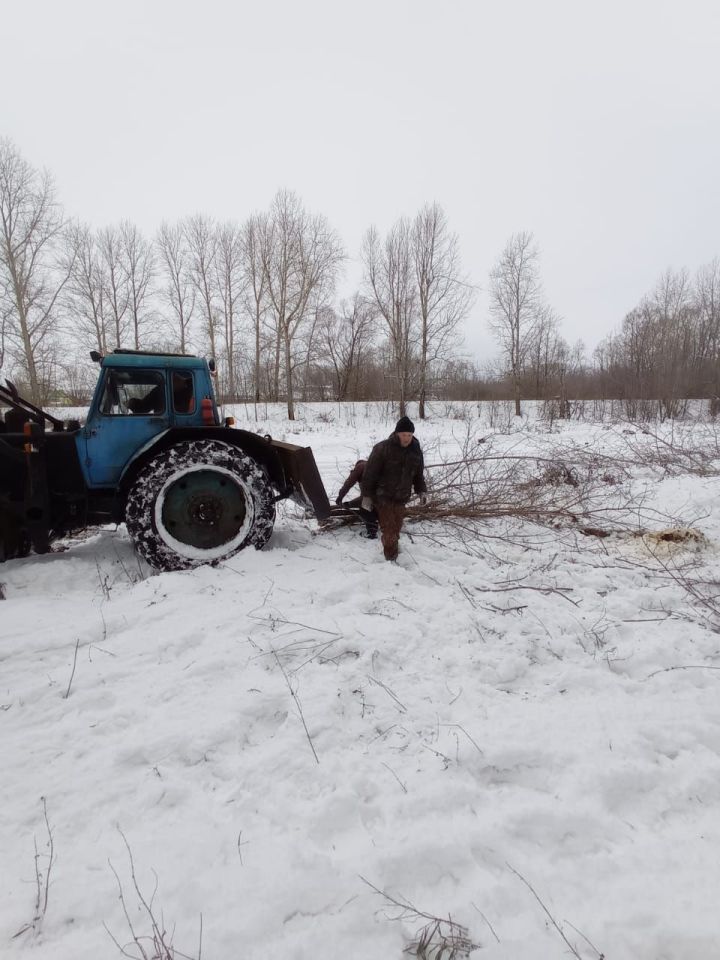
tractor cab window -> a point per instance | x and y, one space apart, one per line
183 393
129 392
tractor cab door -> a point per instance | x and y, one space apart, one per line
130 408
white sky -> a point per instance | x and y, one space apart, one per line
593 125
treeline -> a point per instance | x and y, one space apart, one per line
668 347
261 297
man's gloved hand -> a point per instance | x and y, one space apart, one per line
366 503
338 501
423 499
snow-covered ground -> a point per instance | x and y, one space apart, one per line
525 730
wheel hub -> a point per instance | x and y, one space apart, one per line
204 509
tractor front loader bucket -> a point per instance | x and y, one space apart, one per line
303 477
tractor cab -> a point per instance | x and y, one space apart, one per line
138 397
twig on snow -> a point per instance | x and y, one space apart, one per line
462 728
159 942
686 666
240 844
438 937
42 882
388 691
552 919
51 856
298 704
402 785
601 956
520 586
67 692
492 929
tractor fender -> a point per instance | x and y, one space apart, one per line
254 445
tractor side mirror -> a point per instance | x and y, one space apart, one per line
95 356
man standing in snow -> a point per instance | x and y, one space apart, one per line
394 468
369 516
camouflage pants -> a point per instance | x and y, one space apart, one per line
391 515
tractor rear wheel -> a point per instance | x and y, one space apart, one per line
197 502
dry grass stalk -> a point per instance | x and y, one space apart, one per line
67 692
573 949
158 943
42 879
437 938
298 705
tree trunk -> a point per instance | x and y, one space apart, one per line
230 347
30 361
288 379
257 359
19 291
401 391
276 376
423 371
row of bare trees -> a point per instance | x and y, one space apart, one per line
668 347
259 296
242 293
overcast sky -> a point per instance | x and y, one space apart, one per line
594 125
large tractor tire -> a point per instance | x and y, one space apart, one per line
198 502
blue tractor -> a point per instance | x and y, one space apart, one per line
154 454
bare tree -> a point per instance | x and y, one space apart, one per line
346 337
3 327
116 295
671 303
253 238
443 294
516 301
179 292
201 236
308 346
31 223
707 294
139 259
546 352
301 254
78 379
390 282
85 291
230 284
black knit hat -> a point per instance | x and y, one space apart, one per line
404 425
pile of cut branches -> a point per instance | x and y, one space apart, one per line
588 488
548 487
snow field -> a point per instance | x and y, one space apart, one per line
468 736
